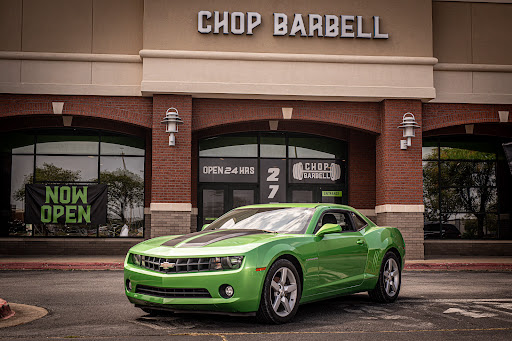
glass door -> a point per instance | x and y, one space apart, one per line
217 199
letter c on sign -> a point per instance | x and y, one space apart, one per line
200 24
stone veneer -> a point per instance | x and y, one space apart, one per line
411 227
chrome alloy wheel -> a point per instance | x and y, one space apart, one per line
391 277
283 291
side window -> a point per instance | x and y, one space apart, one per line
335 217
358 221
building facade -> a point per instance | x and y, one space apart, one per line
290 101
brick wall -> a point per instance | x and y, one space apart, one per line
411 227
399 173
440 115
361 170
134 110
436 248
165 223
171 166
216 112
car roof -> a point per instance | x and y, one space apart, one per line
305 205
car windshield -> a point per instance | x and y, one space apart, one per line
269 219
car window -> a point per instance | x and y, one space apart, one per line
335 217
358 221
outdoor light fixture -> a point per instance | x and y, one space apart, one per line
172 120
408 124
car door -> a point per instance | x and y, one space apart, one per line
341 256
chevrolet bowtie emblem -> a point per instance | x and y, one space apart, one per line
167 265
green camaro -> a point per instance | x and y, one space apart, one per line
264 260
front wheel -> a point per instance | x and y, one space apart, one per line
390 278
281 293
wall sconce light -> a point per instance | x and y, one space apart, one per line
408 124
171 121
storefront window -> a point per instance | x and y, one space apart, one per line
232 146
269 167
74 159
461 187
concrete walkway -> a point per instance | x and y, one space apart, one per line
61 262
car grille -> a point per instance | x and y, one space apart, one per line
176 265
172 292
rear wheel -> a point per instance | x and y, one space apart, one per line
390 278
281 293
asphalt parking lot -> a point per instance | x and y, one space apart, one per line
90 305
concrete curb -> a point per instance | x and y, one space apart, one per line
60 266
5 310
24 314
459 266
411 266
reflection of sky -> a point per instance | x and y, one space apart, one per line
22 165
247 150
87 165
305 153
281 220
133 164
272 150
68 147
116 149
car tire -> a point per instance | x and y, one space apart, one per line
281 293
390 279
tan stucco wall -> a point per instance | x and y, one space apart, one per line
472 33
10 25
172 25
72 26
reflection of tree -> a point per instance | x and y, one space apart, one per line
47 173
470 185
125 190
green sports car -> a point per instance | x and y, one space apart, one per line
264 260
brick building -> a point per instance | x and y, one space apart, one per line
265 90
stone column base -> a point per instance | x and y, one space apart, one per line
170 219
410 225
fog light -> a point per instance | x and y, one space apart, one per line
226 291
128 285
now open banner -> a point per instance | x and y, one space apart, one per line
65 204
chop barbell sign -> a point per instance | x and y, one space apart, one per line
315 171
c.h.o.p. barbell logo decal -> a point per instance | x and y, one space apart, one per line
316 170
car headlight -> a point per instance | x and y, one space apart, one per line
226 263
136 259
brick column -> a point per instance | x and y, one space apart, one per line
399 173
171 169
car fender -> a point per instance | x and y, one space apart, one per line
380 240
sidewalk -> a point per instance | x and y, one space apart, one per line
8 262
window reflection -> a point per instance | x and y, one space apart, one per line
70 159
460 190
124 177
82 145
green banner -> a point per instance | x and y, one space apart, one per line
65 204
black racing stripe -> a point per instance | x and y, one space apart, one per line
218 236
177 240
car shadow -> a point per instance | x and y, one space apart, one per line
316 314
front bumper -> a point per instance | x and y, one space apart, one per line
246 282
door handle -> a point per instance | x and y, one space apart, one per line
360 242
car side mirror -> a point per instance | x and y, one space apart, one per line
204 226
328 228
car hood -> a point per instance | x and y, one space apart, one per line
206 243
